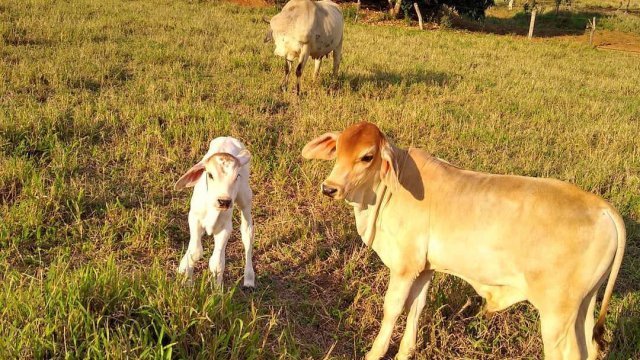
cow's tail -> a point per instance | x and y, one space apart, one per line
598 330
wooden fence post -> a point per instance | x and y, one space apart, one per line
415 6
592 26
533 21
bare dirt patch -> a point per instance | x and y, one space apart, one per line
251 3
616 40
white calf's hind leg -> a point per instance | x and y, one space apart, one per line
246 228
217 260
194 250
415 303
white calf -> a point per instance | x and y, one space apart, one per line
220 179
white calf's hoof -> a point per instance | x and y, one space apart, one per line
249 280
184 267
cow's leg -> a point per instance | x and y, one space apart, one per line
394 300
287 70
316 68
559 333
217 260
246 228
415 303
337 55
302 60
194 250
587 321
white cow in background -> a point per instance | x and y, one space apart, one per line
220 180
307 28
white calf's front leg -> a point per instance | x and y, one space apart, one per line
217 260
246 228
194 250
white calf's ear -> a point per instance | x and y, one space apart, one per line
190 178
243 157
389 165
323 147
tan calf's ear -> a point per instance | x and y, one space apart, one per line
190 178
389 165
323 147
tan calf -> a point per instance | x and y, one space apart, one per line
512 238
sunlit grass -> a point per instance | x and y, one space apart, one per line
103 105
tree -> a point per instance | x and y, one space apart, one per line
472 8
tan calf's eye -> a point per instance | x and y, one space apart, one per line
367 158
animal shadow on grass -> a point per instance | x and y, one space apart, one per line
309 289
384 79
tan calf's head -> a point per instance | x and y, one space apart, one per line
222 171
363 155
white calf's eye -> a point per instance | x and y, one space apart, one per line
210 176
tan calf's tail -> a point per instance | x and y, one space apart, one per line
598 330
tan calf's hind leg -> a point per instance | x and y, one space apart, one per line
590 345
559 334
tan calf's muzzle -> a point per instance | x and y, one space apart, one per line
328 190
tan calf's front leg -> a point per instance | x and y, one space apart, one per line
394 300
415 303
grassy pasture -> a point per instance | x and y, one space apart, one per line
103 105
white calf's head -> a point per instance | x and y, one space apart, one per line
222 174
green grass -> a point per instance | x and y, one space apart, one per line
622 22
104 105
